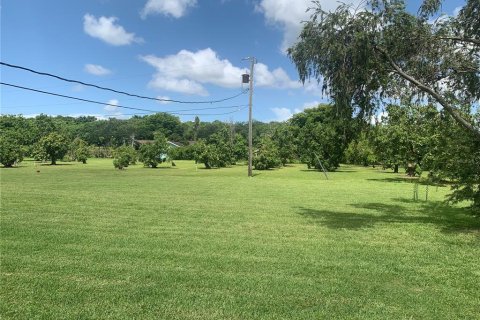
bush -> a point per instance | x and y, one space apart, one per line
182 153
124 156
267 156
153 153
206 154
79 150
101 152
10 151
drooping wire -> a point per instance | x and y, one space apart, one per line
178 112
118 91
240 108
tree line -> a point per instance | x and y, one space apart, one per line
410 137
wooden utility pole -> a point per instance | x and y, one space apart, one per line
253 61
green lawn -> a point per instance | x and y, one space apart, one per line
87 241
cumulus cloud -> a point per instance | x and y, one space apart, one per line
174 8
288 15
188 72
111 105
283 114
107 30
97 70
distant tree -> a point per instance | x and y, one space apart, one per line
405 135
151 154
206 129
11 151
169 125
285 141
455 157
206 154
80 150
319 135
196 126
222 142
53 146
361 151
124 156
267 156
240 147
19 129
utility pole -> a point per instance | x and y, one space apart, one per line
253 61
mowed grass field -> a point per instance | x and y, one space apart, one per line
88 241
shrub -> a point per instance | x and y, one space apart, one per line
267 156
11 151
124 156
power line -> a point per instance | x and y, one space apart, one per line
240 108
117 91
178 112
77 103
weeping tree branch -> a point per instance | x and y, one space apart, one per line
462 39
443 102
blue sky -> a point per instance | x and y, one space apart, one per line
188 50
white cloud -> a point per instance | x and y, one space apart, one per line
174 8
111 105
78 88
188 71
456 11
288 15
163 98
177 85
282 114
97 70
307 105
106 29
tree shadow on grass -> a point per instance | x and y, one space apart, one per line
447 218
394 179
411 180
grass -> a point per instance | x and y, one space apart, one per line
87 241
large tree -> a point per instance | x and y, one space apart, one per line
320 136
54 146
381 51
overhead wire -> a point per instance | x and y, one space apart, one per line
118 91
239 108
178 112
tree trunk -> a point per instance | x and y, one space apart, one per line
54 162
395 168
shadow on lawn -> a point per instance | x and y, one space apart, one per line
394 179
447 218
411 180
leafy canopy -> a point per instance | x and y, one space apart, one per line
380 52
